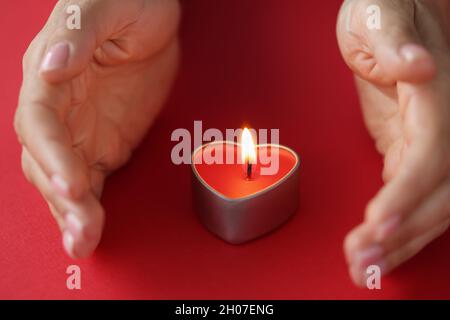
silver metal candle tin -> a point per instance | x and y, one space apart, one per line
240 220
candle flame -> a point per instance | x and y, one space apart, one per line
248 148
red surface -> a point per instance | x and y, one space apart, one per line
272 63
230 179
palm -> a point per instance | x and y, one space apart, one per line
115 99
113 106
382 116
388 116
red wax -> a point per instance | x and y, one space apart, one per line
229 179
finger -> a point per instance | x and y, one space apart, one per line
84 226
103 34
39 123
386 264
362 248
424 166
363 245
57 215
360 251
69 51
410 249
36 176
358 273
358 245
80 221
386 52
97 182
429 214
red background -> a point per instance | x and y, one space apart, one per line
272 63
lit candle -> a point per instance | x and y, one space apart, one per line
240 207
248 153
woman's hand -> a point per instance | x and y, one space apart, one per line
87 99
403 77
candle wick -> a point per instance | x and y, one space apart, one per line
249 170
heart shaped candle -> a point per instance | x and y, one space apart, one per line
234 200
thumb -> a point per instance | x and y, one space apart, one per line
70 50
389 50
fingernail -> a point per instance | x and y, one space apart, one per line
413 52
68 243
368 256
61 185
74 225
56 57
79 235
387 228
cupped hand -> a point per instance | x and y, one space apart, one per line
402 72
87 99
